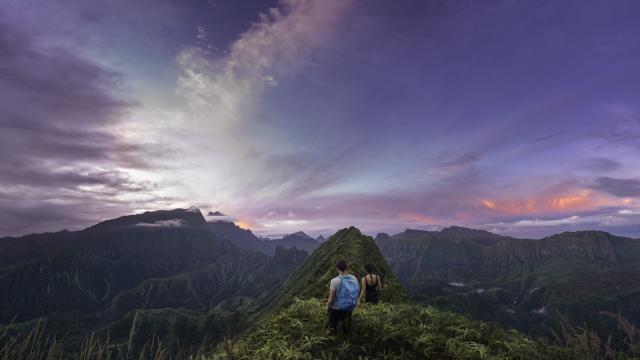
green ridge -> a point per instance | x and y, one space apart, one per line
312 279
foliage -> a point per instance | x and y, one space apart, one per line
383 331
311 280
588 345
34 345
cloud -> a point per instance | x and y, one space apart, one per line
285 41
225 134
600 164
164 223
59 147
618 187
615 220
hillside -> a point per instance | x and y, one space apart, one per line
311 280
384 331
247 240
531 285
220 291
151 264
294 328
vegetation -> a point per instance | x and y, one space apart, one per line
312 279
383 331
178 317
530 285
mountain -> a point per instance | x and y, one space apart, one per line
321 239
298 240
294 328
531 285
215 213
148 265
349 244
164 282
242 238
245 239
14 250
84 269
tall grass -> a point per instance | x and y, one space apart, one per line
588 345
384 331
35 345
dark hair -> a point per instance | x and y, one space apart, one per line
369 269
341 265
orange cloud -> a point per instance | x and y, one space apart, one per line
570 202
489 204
582 200
417 218
242 224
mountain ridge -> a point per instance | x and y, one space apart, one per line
522 283
350 245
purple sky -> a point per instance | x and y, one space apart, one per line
519 117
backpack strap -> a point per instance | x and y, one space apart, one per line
339 286
337 290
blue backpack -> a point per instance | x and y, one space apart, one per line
347 295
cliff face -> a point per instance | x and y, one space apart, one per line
82 281
523 283
105 260
475 255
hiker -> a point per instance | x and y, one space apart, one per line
343 298
371 286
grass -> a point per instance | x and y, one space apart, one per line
383 331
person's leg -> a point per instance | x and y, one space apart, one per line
334 318
346 322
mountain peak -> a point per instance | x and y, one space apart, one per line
467 232
350 245
215 213
301 234
190 217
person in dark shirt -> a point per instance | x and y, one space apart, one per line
371 286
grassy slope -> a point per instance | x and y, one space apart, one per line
311 280
384 331
394 329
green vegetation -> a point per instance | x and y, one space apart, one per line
187 315
530 285
383 331
311 280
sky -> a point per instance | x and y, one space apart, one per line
517 117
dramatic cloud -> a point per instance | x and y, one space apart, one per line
319 114
61 160
241 155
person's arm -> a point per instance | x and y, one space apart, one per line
379 284
332 296
362 287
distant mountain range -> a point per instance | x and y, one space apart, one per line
531 285
97 279
165 270
245 239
